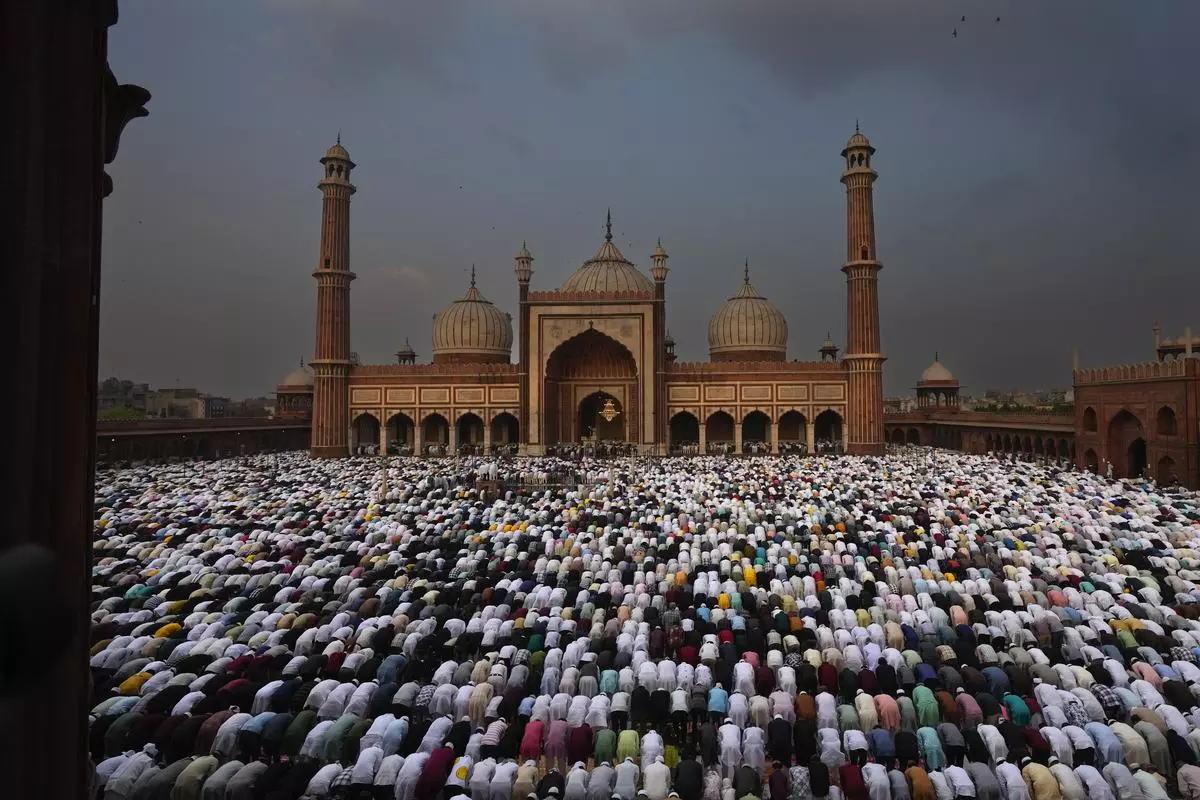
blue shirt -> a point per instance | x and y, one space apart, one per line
718 700
1108 746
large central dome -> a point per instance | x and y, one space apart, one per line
608 271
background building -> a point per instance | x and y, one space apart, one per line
184 403
114 393
595 363
1143 419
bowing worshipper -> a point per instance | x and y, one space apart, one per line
551 785
714 785
1040 781
602 782
1153 784
920 787
526 779
729 742
627 775
875 778
1121 781
1094 783
689 778
1012 780
656 779
1069 784
747 782
1187 778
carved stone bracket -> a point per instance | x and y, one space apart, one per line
123 102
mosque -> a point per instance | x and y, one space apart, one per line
594 361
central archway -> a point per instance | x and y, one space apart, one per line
588 365
601 418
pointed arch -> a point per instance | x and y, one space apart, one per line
399 433
684 429
792 427
1166 422
364 433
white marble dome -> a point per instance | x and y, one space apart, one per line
936 372
472 329
608 271
298 377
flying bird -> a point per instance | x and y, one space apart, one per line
954 33
964 19
997 19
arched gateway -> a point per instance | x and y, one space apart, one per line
591 380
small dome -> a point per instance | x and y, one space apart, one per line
524 252
748 323
406 351
857 142
472 329
936 372
298 377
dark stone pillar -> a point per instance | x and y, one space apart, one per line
64 114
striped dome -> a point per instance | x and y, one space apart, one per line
608 271
747 323
472 326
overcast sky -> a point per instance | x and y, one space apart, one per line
1037 175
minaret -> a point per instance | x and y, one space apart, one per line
523 266
863 359
659 273
828 350
331 366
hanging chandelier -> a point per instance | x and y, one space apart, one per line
609 411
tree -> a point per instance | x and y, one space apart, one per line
123 412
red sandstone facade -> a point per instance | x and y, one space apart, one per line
1143 419
595 362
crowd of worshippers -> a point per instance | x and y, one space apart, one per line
926 626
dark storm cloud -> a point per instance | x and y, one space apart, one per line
1035 192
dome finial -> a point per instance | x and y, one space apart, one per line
935 355
339 136
746 273
856 125
608 226
472 276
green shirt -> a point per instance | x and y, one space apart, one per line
606 745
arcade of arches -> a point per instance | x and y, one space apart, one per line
755 433
1137 440
434 436
1131 440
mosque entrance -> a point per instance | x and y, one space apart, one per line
601 418
1127 445
583 375
1137 458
